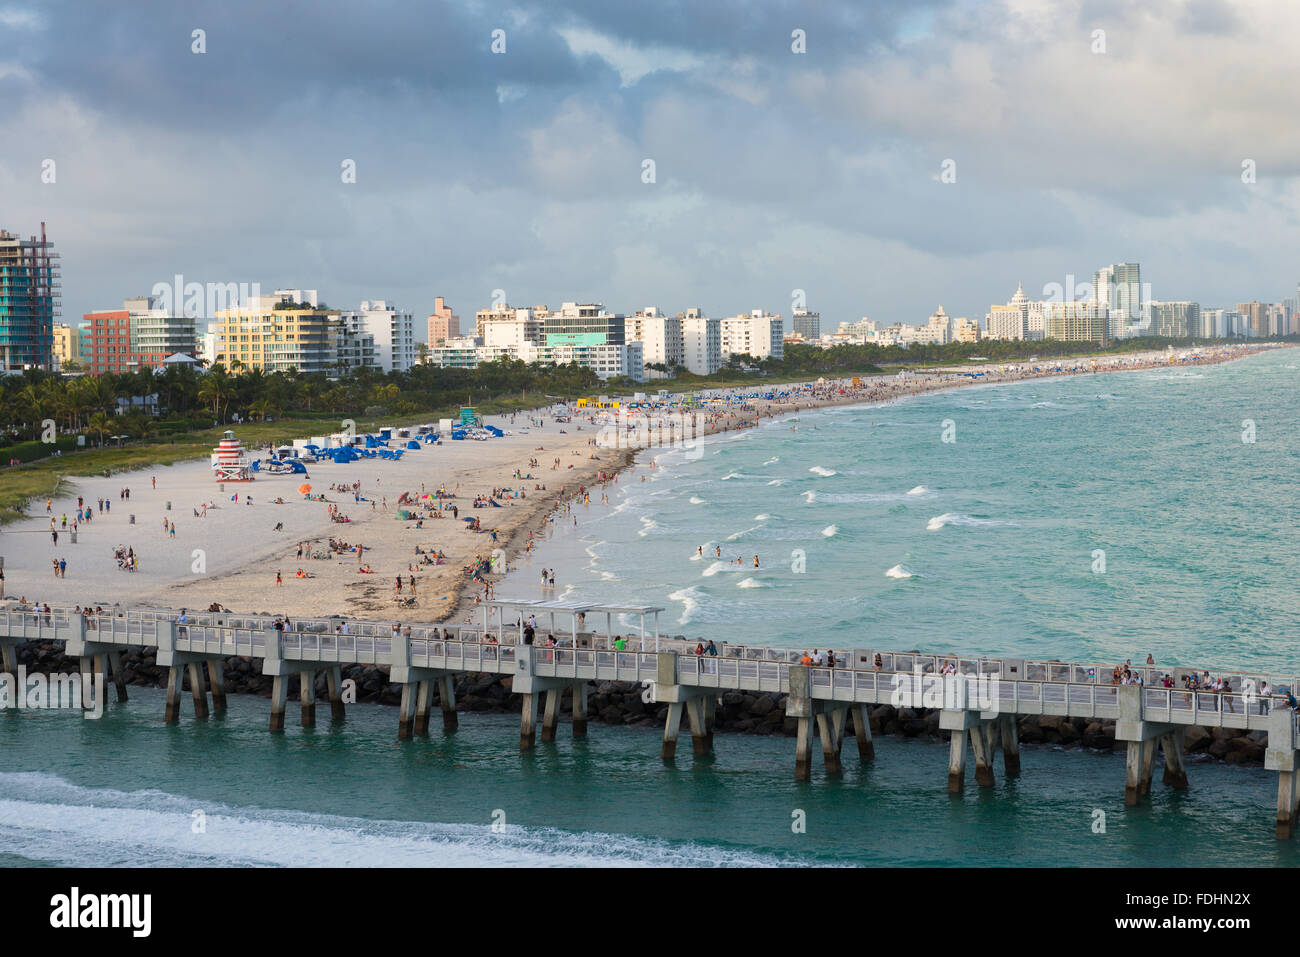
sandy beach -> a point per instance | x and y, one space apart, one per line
231 552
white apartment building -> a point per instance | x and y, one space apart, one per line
937 331
392 332
701 343
661 338
758 334
1008 322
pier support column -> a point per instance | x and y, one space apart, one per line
1280 756
580 709
981 739
119 678
1010 734
1171 743
697 710
423 692
528 722
1133 773
957 761
447 697
198 689
1288 796
172 712
334 678
1148 764
803 750
87 665
862 730
279 699
829 726
307 696
550 714
217 679
9 660
672 724
406 713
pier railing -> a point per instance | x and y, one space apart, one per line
1025 685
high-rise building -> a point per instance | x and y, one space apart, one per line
936 331
280 332
1007 322
758 334
443 323
1175 320
1076 321
156 334
807 324
1256 315
110 341
29 301
586 323
701 342
662 342
67 346
392 331
1119 289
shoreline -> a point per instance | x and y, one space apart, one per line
244 555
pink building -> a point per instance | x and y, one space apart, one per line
443 324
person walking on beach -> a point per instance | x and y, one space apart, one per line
278 580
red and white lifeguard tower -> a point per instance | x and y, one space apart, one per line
228 460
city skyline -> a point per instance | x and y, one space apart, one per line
549 139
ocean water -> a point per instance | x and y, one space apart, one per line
129 790
982 544
1099 517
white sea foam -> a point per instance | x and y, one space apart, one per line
696 500
919 490
776 458
830 531
965 521
824 472
690 599
752 583
762 517
47 818
776 482
900 571
731 475
809 495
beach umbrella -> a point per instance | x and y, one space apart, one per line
304 488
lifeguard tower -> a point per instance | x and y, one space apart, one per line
228 461
469 418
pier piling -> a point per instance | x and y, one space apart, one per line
1010 744
957 761
217 680
307 696
406 713
172 712
198 689
550 714
580 709
672 724
862 731
334 679
528 722
447 698
279 699
423 692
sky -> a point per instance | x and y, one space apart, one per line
676 153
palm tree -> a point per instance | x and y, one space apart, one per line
99 423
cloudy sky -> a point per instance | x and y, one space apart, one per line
774 170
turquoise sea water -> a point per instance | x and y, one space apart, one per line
998 535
